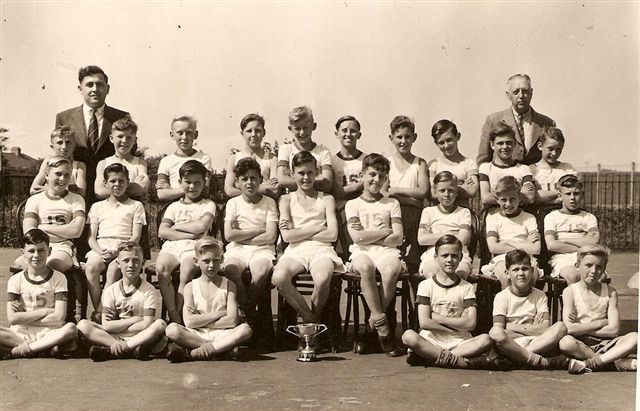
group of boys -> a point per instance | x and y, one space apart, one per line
204 311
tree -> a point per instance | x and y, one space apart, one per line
3 138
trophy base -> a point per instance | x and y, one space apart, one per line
307 357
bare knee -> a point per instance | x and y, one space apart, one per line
172 331
410 338
559 330
70 330
568 344
498 335
84 326
245 331
632 337
281 279
159 325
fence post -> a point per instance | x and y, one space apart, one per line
633 178
598 170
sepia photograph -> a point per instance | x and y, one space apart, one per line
372 205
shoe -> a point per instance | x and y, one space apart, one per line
558 362
389 346
238 354
142 352
577 367
626 364
59 353
100 354
414 360
176 354
369 343
96 317
481 362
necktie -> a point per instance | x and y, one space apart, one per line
94 138
520 122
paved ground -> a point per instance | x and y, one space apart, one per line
277 381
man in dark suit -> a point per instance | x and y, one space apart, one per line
91 123
526 122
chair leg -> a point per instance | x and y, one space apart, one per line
356 314
347 314
404 305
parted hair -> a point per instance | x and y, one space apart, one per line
553 133
299 113
347 118
377 162
569 181
441 127
246 164
125 123
249 118
63 131
193 167
598 250
206 244
517 257
507 184
448 239
444 176
90 71
186 117
501 129
303 157
130 246
35 236
117 168
401 121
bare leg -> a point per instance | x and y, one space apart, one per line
549 339
420 346
474 346
233 269
60 261
570 274
283 274
181 336
95 266
389 270
260 269
570 346
626 345
363 265
321 271
165 264
113 273
429 268
55 337
500 272
187 272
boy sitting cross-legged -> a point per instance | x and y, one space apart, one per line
128 313
446 313
521 329
374 223
568 229
592 318
36 305
210 311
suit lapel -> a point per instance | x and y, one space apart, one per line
106 127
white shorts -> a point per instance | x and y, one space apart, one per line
560 261
209 334
376 253
106 244
525 341
247 252
180 249
67 248
30 333
489 268
430 256
308 252
443 340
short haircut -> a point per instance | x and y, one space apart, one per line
185 117
507 184
501 129
448 239
246 164
300 113
90 71
126 123
347 118
593 249
206 244
377 162
303 157
444 176
117 168
441 127
523 76
35 236
569 181
57 161
517 257
130 246
401 121
63 131
553 133
249 118
192 167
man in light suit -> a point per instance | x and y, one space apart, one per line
91 123
525 121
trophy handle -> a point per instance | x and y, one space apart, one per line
292 327
323 328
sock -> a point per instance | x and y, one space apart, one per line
381 324
449 360
537 361
22 350
120 349
594 363
204 352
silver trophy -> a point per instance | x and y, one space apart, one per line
307 332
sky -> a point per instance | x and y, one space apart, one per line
220 61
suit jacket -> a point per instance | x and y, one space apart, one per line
520 152
74 118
